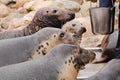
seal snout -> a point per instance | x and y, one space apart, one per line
86 55
72 15
83 29
92 55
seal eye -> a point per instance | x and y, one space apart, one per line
54 11
80 51
73 25
47 11
62 35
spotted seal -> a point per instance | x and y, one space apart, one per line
51 16
57 38
74 26
62 63
111 71
20 49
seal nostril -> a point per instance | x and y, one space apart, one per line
84 29
72 15
47 11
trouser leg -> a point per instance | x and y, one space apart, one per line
118 42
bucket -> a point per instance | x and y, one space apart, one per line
102 20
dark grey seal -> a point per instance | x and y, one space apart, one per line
111 71
51 16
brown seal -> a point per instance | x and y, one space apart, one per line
51 16
63 62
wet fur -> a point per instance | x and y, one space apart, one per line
50 16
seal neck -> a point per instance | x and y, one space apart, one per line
45 46
70 68
31 29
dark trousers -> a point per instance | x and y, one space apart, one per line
118 42
106 3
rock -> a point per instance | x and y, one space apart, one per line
20 22
3 10
85 8
1 29
91 41
22 10
29 16
20 3
15 23
67 4
79 1
5 1
5 21
35 5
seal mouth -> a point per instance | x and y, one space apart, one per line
86 56
93 56
81 31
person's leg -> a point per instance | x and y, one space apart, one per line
106 3
118 42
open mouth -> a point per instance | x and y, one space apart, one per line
83 30
87 56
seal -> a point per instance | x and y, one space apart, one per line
20 49
74 26
51 16
62 37
111 71
108 46
62 63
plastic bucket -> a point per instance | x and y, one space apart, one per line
102 20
